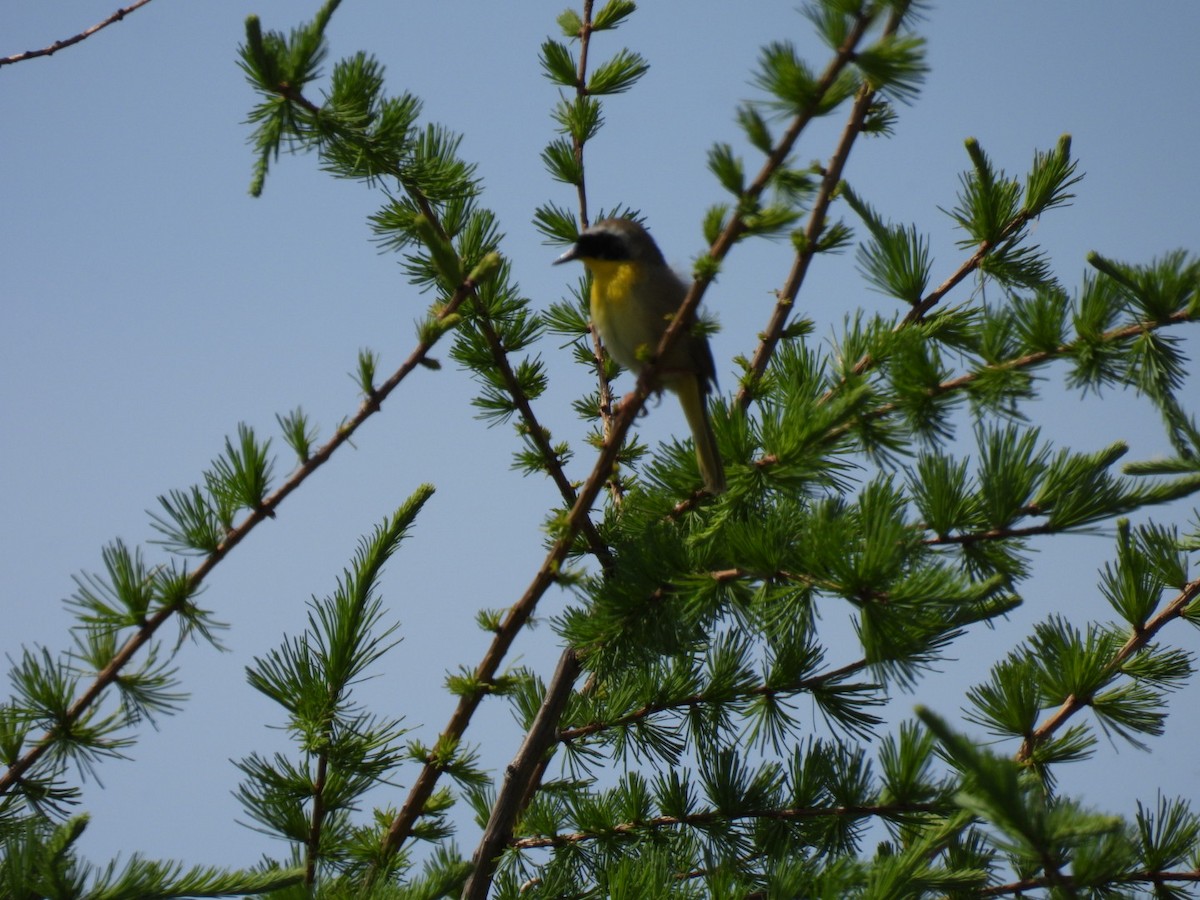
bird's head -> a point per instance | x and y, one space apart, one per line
614 240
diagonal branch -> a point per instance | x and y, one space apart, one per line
965 538
1155 877
816 221
969 265
533 428
787 294
75 39
519 777
1137 641
266 510
1028 360
644 712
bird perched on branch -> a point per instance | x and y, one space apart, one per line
635 295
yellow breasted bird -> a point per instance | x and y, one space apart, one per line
635 294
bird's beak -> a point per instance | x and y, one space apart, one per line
572 253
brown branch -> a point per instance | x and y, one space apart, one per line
517 615
605 395
585 40
991 534
541 438
779 155
762 690
1120 333
519 778
1137 641
533 428
816 222
969 265
233 537
312 851
787 294
604 388
1007 234
961 382
67 42
1018 888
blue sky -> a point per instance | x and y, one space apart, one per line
149 305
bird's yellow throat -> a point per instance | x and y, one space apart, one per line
612 282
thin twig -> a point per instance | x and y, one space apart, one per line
312 850
67 42
604 387
993 534
585 40
969 265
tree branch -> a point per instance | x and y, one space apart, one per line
266 510
816 221
533 428
1144 876
1136 642
1028 360
714 817
519 777
67 42
312 849
604 388
642 713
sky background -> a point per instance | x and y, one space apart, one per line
149 305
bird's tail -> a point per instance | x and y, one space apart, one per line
695 409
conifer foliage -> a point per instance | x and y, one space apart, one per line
703 733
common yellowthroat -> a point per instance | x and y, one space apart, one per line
635 294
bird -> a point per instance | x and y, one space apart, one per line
634 297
